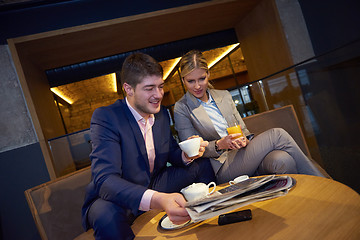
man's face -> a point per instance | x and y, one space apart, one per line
147 95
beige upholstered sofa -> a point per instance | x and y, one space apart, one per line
56 205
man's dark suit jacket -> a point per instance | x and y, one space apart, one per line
120 167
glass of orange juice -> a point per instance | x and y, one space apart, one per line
234 127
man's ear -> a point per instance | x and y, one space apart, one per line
128 89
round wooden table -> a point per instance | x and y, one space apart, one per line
317 208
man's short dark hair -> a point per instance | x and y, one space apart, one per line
137 66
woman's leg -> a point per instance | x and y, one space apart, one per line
277 162
247 160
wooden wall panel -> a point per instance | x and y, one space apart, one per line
262 41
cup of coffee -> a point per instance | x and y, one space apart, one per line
197 191
191 146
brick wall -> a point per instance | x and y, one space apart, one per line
78 116
99 91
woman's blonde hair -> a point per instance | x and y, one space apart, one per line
191 61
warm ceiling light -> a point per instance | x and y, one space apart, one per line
61 95
176 61
113 76
231 47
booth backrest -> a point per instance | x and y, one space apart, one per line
283 117
56 205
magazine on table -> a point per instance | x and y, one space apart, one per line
238 195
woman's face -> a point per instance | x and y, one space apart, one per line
197 82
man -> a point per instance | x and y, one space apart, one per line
132 144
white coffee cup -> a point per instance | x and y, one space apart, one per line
239 179
191 146
197 191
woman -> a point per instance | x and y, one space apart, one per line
207 112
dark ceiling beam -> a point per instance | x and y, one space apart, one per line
98 40
98 67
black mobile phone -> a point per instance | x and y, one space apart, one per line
235 217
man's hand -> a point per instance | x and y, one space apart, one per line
203 145
173 204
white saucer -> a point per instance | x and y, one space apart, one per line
166 224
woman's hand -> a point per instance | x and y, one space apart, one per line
232 141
